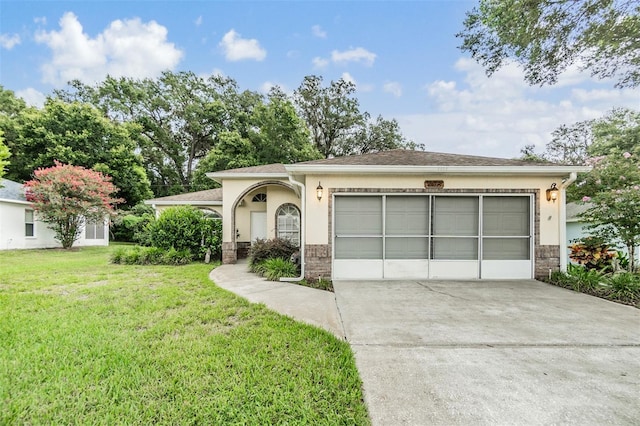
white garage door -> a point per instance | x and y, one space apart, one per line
432 236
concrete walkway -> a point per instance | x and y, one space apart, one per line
309 305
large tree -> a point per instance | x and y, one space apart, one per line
4 155
66 196
337 125
274 134
182 116
79 134
548 36
332 113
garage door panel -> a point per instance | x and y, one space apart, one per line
506 269
452 269
357 269
403 269
454 248
506 249
406 248
358 248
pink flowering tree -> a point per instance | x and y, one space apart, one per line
64 196
612 190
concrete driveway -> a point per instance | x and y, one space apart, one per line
500 353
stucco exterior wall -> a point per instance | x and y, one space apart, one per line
317 225
233 189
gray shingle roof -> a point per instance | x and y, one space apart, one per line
267 168
574 209
402 157
10 190
199 196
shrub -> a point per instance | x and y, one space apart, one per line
593 253
562 279
137 255
186 228
258 268
177 257
118 255
625 287
262 250
132 256
582 278
131 225
277 268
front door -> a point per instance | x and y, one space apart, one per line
258 226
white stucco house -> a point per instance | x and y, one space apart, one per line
21 229
398 214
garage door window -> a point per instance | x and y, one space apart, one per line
455 228
506 228
407 228
358 228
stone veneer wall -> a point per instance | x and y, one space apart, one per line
229 253
243 249
547 259
317 261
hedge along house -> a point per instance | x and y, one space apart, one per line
403 214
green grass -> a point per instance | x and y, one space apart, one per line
87 342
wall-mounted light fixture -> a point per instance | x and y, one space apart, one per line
319 191
552 193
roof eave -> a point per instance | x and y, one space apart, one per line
450 170
8 200
217 176
180 202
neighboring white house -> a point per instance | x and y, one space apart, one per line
21 229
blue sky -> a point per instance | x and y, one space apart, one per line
402 56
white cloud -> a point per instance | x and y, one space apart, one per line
42 20
9 41
498 116
268 85
127 48
348 78
393 87
317 31
238 49
198 21
360 87
358 54
32 97
319 62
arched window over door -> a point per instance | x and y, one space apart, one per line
288 223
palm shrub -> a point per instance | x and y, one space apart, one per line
624 286
583 278
277 268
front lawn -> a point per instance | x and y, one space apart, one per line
87 342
